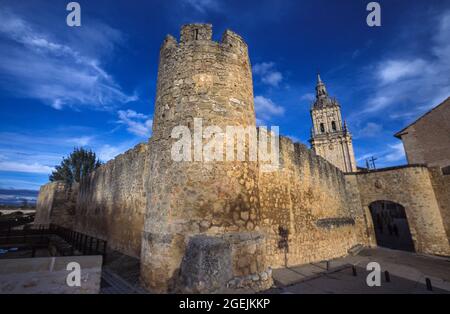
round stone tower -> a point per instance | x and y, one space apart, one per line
201 84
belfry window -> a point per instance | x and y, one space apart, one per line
196 34
333 125
322 128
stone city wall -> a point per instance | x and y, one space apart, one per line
56 204
441 186
45 202
305 209
411 187
111 202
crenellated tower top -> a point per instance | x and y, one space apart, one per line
201 34
200 77
193 32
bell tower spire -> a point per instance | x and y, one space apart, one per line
321 90
330 137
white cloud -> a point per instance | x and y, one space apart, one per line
396 153
7 183
107 152
30 142
33 64
308 97
413 83
266 109
203 5
137 123
370 130
37 152
21 167
268 74
262 68
403 115
378 103
272 78
80 141
441 48
391 71
364 157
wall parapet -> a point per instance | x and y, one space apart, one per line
387 169
198 33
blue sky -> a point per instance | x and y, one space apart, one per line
94 85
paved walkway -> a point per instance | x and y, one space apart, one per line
120 275
113 284
408 273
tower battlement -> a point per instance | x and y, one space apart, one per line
192 32
200 77
199 34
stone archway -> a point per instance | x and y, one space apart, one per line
391 225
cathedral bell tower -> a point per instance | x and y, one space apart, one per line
330 137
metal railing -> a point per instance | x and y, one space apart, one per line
72 243
84 243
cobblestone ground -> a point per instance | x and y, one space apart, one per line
407 272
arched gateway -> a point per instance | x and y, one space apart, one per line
391 225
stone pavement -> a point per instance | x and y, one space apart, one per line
408 272
113 284
120 275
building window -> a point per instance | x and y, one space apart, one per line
333 125
322 128
196 34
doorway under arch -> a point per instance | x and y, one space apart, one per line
391 226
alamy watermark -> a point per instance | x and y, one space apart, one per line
374 17
232 143
73 279
373 279
74 17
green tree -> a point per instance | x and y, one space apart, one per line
79 164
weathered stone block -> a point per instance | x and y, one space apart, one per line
206 265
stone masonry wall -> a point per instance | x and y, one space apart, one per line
45 201
111 202
225 263
56 204
441 186
427 141
411 187
64 206
306 210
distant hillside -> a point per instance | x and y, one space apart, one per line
18 197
